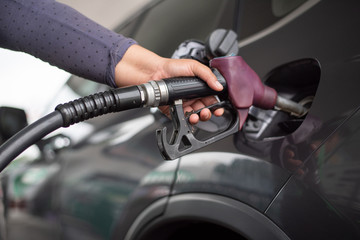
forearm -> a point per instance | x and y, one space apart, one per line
63 37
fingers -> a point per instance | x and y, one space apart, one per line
205 114
189 67
206 75
194 118
195 105
219 112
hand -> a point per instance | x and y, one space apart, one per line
140 65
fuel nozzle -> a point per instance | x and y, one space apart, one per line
241 84
245 89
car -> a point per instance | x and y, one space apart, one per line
280 177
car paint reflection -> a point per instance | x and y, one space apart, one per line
247 179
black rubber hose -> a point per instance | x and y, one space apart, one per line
28 136
114 100
91 106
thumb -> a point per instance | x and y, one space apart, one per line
206 75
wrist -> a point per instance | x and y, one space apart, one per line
137 66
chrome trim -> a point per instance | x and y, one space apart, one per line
164 92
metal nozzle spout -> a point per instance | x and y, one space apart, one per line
290 106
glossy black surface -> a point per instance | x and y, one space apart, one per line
327 185
234 175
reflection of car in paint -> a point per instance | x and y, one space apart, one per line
280 177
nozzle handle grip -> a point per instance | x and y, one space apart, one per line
191 87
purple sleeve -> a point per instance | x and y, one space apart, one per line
60 35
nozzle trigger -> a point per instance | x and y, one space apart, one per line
182 140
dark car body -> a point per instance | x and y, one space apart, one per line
281 177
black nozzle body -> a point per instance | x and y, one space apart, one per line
192 87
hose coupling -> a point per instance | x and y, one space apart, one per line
154 93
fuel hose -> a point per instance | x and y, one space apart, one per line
151 94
